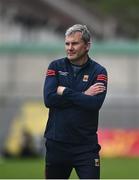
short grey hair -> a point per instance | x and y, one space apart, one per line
86 37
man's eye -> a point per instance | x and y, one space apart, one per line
76 43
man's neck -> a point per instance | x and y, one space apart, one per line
80 61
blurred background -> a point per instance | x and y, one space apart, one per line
32 35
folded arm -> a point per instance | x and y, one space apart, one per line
51 98
92 98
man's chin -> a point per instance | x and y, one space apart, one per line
71 58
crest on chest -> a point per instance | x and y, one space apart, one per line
85 78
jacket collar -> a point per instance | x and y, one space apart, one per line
89 61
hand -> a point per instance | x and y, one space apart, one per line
60 90
95 89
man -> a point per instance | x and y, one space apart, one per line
74 90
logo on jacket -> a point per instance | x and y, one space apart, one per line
51 72
85 78
97 162
101 77
63 73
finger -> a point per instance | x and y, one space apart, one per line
100 89
99 83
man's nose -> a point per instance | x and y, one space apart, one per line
70 47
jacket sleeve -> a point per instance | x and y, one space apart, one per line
86 101
51 98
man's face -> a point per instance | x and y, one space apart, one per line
75 47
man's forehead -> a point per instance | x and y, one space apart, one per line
75 35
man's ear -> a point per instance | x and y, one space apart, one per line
88 46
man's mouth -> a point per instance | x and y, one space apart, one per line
71 53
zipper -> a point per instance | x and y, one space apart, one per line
74 75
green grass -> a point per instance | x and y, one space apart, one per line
120 168
111 168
